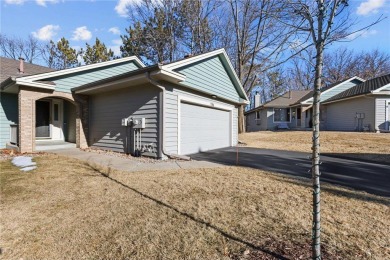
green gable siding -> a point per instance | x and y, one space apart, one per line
67 82
210 76
8 115
336 90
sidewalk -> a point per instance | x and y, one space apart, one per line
130 165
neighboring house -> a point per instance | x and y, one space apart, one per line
275 113
181 108
364 107
303 108
11 69
294 108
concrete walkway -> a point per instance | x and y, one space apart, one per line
132 165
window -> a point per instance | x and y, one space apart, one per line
257 114
281 114
55 112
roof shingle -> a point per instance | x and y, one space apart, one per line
363 88
10 68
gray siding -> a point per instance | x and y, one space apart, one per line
67 82
341 116
210 76
108 109
381 110
171 122
8 115
253 125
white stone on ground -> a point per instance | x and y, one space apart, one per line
25 162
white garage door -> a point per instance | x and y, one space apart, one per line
203 128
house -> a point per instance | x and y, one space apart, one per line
275 113
177 108
9 69
364 107
303 107
294 108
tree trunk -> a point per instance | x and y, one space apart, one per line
241 119
316 233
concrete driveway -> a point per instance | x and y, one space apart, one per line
373 178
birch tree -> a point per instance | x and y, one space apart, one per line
324 21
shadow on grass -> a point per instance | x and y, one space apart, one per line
189 216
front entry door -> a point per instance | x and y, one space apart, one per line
42 122
57 120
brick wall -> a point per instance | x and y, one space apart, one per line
27 98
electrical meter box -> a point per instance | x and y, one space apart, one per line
138 123
125 121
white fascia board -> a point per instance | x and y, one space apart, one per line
380 89
222 52
185 62
83 68
169 75
34 84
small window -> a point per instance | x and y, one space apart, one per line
55 112
257 114
281 114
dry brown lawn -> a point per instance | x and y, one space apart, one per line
370 146
67 209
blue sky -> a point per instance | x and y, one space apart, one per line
81 21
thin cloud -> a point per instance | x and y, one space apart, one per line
370 6
81 34
122 6
43 2
114 30
47 32
15 2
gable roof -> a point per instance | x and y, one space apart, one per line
326 92
45 80
224 58
364 88
286 100
10 68
186 73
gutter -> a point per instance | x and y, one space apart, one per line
161 149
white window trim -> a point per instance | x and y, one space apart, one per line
206 103
273 115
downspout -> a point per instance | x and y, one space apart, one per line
162 120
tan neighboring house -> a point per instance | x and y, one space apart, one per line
276 113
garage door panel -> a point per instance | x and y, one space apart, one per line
203 128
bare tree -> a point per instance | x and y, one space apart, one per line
325 22
259 41
14 47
